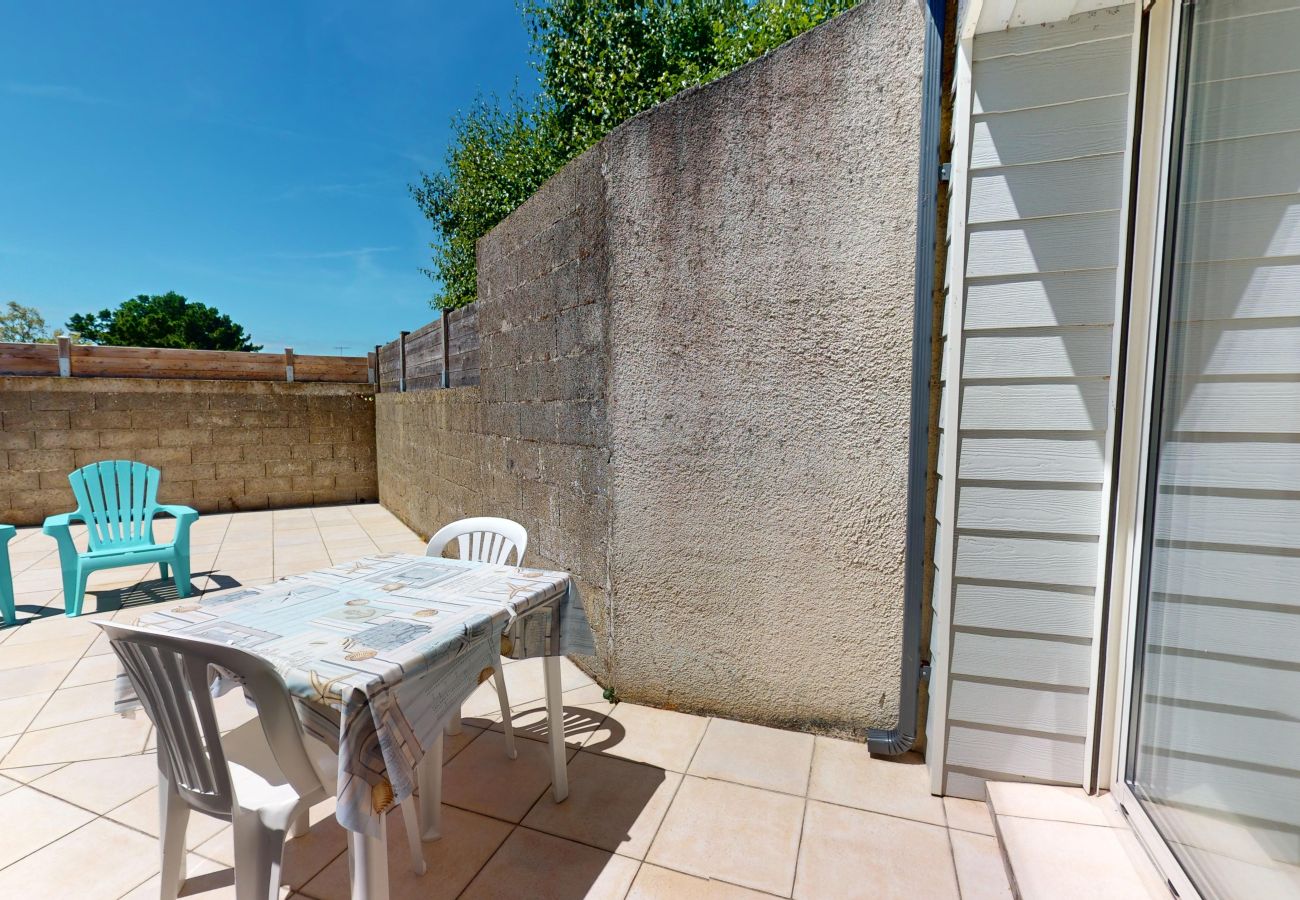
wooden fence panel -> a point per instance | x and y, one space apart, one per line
462 347
91 361
29 359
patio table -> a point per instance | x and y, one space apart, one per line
380 653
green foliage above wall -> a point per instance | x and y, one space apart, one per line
162 320
601 62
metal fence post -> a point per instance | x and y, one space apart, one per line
446 351
65 357
401 351
372 367
288 364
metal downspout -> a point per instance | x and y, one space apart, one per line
899 739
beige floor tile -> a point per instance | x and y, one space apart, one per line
141 813
613 804
584 711
454 743
49 628
28 774
850 853
483 779
1066 859
738 834
17 713
103 667
96 739
100 785
110 859
29 680
76 704
7 744
657 737
754 755
543 867
8 784
34 653
468 841
204 880
844 772
32 820
981 873
526 679
968 815
1045 801
658 883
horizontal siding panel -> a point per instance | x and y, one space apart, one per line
1030 509
1081 71
1257 227
1237 407
1055 712
1060 244
1068 298
1239 290
1107 23
1227 575
1245 107
1038 757
1231 9
1006 608
1035 407
1260 634
1074 460
1205 680
1069 131
1236 736
1226 788
1046 189
1267 44
1260 522
1008 658
1247 465
1239 348
1072 353
1248 167
1034 560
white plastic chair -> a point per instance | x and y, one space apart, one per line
491 540
263 777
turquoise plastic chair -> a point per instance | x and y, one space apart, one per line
6 576
118 499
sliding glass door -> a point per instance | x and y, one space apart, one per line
1213 745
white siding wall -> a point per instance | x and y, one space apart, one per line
1042 244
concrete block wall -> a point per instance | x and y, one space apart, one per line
696 351
221 445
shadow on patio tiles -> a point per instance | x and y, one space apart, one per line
148 593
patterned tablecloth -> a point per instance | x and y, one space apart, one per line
381 651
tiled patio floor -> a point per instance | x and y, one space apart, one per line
663 805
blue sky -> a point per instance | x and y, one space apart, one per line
253 156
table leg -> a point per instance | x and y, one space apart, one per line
555 725
368 863
429 774
453 724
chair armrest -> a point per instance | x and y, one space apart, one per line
63 521
6 532
60 528
182 513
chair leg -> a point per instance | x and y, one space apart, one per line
555 723
259 851
411 820
507 724
182 566
162 570
368 864
301 825
74 590
173 816
429 774
453 724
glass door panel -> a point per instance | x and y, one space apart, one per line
1214 735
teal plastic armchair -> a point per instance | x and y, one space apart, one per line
6 576
117 500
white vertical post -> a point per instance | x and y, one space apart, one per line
65 357
429 773
288 364
555 725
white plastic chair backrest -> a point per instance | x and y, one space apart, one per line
172 675
482 539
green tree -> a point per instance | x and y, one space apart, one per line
162 320
22 324
601 62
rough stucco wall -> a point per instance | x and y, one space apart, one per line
761 271
221 445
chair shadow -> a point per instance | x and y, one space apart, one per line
158 590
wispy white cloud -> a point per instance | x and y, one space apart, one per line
359 253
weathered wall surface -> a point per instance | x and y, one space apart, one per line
695 384
761 290
531 442
221 445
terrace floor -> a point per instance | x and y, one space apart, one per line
662 804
